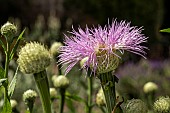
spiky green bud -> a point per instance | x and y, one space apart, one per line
100 100
135 106
29 95
55 47
8 30
150 87
33 58
162 105
61 82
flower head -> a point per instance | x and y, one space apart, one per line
33 58
162 105
53 92
29 95
8 30
102 46
13 103
135 106
61 81
150 87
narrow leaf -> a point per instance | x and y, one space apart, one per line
75 97
1 72
12 84
165 30
7 107
2 44
16 44
70 105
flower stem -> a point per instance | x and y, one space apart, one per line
43 86
62 99
30 106
108 85
6 97
89 93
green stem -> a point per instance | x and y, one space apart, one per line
43 86
89 93
6 97
108 85
62 100
150 99
30 105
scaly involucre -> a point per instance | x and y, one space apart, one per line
101 43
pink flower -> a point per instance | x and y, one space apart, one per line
102 46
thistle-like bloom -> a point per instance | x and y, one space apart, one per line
102 46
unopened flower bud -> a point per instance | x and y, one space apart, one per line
162 105
29 95
100 100
135 106
53 93
33 58
8 30
13 103
55 47
61 82
53 78
150 87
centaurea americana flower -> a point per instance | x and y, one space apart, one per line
101 50
102 46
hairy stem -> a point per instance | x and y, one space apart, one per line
108 85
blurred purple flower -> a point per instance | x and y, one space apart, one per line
101 43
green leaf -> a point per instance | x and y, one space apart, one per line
165 30
16 44
1 72
2 44
70 105
12 84
7 107
75 97
2 80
